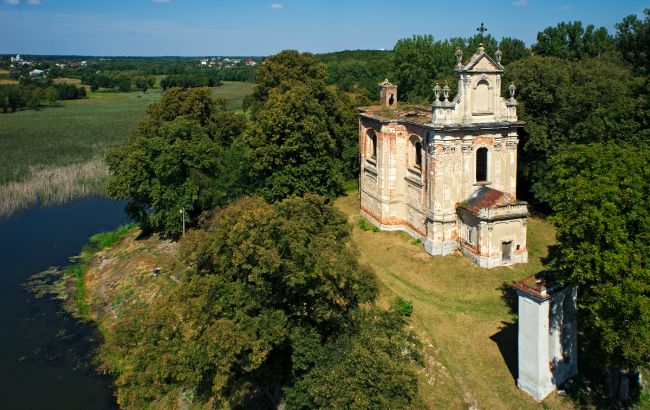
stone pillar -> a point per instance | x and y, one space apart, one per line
547 341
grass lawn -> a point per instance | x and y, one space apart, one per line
466 325
234 91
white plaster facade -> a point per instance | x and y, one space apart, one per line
547 336
449 175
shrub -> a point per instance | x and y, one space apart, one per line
402 307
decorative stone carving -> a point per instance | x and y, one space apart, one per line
445 92
511 145
448 149
467 149
431 149
498 56
498 145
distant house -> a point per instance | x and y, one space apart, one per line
250 63
36 73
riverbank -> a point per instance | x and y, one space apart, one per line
54 186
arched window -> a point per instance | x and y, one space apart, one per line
372 144
418 154
481 164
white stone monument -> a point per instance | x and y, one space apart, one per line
547 339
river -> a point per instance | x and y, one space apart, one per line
45 355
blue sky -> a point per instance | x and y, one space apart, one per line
257 27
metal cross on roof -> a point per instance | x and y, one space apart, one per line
482 30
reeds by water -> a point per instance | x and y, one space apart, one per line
54 185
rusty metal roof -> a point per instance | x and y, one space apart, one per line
486 197
542 285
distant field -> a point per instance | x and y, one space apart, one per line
234 91
79 130
75 132
8 81
3 71
468 328
64 80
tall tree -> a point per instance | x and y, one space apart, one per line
572 41
177 160
305 138
581 102
633 40
600 194
513 50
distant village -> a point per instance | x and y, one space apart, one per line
41 66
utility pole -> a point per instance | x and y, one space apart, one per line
182 211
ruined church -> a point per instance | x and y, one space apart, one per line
448 175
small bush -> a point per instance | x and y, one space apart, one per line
367 226
417 241
402 307
103 240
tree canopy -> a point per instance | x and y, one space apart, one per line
305 134
179 159
269 312
572 41
600 195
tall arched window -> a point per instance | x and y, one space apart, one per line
418 154
481 164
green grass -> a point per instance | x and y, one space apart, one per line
77 131
103 240
97 242
234 91
80 130
461 312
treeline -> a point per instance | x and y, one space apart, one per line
122 81
276 309
199 79
31 94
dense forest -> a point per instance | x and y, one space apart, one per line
275 307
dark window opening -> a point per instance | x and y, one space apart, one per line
506 251
418 154
391 100
373 143
481 164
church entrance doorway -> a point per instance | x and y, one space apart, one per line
506 251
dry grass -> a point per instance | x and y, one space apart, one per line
7 81
121 275
64 80
459 312
54 185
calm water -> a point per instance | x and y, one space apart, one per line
44 354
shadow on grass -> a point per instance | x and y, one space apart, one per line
506 340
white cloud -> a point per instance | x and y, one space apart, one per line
519 3
276 6
30 2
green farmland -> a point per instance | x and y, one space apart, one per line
77 131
